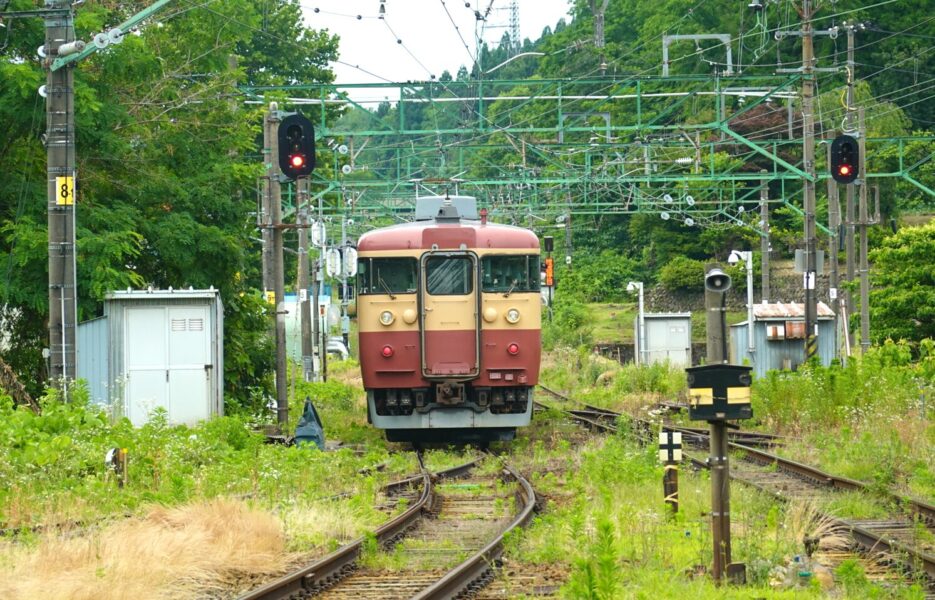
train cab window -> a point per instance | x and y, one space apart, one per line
449 275
387 275
513 273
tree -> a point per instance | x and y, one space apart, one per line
168 159
902 301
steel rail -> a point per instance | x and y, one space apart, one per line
476 568
320 573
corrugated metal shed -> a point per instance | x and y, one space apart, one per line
93 348
162 348
779 337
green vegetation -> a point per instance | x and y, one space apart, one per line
52 465
902 302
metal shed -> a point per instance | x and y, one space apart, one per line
779 337
161 348
668 338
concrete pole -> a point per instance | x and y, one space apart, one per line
305 310
834 224
864 225
61 192
279 282
808 153
263 219
642 331
764 241
850 217
751 341
720 468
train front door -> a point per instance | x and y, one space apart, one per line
449 311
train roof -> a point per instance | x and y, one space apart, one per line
448 223
447 236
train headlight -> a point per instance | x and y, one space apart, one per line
512 315
387 317
409 316
490 314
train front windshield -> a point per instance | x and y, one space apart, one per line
512 273
387 275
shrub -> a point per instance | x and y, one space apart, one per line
570 325
682 274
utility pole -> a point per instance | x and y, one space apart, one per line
599 30
278 274
263 218
834 224
849 216
808 153
62 174
764 240
716 285
305 310
864 224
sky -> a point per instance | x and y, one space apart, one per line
430 42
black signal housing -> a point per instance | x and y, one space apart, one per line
296 146
845 159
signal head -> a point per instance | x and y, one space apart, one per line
845 156
296 138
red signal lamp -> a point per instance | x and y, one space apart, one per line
513 348
387 351
297 161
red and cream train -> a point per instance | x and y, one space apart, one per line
449 314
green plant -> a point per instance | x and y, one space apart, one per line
682 274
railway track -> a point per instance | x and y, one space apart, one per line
905 538
447 541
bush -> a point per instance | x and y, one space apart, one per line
597 278
682 274
570 325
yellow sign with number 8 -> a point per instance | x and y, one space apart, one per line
64 191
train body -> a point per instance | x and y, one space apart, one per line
449 315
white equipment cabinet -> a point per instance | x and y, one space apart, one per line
165 350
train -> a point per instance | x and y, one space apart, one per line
449 315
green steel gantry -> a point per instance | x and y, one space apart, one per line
543 147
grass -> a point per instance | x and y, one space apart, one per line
605 524
614 323
193 549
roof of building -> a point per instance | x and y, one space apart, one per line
153 294
787 310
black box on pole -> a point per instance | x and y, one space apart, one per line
719 392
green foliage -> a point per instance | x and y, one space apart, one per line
599 277
880 403
168 162
902 300
596 574
683 274
570 325
52 465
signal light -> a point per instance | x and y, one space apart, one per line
549 271
296 137
845 157
513 348
387 351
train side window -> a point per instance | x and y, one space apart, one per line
449 275
387 275
512 273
